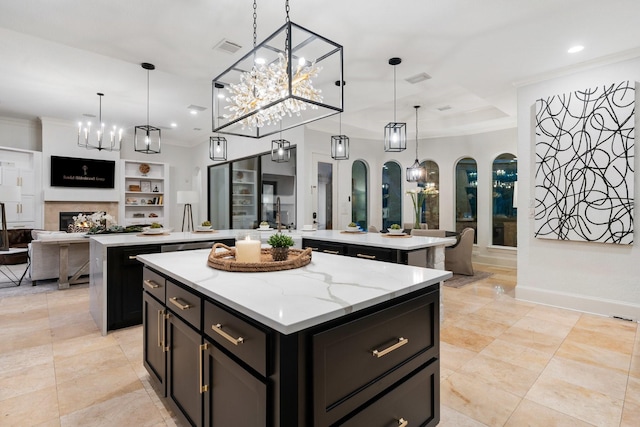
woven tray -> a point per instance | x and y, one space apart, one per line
396 236
225 260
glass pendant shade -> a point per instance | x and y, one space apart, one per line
280 150
284 82
395 137
416 173
340 147
85 136
217 148
146 138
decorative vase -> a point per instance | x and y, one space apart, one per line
280 254
416 220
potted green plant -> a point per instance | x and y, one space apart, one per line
395 229
280 244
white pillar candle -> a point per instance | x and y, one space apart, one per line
248 250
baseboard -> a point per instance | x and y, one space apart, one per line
599 306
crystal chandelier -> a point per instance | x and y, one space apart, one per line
416 173
395 134
284 82
84 134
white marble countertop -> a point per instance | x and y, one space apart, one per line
292 300
378 239
365 239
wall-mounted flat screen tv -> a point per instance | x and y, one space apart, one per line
76 172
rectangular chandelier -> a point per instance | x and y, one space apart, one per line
290 79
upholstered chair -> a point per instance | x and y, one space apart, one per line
457 258
428 233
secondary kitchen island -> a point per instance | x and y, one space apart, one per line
341 341
115 300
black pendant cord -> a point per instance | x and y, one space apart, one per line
416 107
147 101
255 23
394 94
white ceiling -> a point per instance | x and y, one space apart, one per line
55 56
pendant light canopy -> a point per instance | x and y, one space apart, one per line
416 173
146 137
395 134
284 82
340 145
85 138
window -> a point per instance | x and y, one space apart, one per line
359 194
505 175
391 194
467 195
431 206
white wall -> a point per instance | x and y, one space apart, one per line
22 134
593 277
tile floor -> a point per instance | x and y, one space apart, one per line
503 363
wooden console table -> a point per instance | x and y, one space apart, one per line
63 246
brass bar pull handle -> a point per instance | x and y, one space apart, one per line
400 343
164 331
151 284
326 251
314 249
177 303
365 256
132 257
159 319
203 387
235 341
402 422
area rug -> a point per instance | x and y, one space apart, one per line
459 280
8 289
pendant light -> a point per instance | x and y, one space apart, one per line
416 173
84 135
281 83
395 134
280 150
340 145
147 138
218 144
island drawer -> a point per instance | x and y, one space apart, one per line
411 403
372 253
325 247
241 338
184 303
154 284
354 361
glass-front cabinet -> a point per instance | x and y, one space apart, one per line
242 193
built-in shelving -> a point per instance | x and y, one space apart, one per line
144 194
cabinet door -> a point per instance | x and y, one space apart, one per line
27 182
154 340
28 208
184 369
234 397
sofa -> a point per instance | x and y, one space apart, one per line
45 258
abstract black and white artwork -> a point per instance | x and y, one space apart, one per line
584 165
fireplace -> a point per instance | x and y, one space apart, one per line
66 218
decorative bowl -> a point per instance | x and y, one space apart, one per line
395 231
353 229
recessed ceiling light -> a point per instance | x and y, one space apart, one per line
260 61
193 112
575 49
173 125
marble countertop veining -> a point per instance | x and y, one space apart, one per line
292 300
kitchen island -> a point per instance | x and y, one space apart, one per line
115 299
340 341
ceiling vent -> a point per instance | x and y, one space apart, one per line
444 108
227 46
418 78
